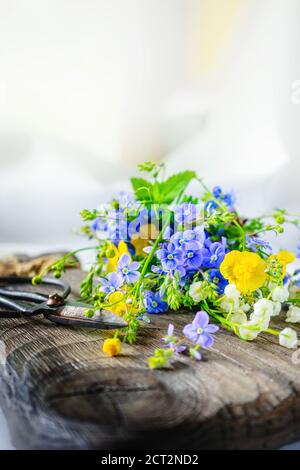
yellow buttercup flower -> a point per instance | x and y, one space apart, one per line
117 303
114 254
112 347
141 239
284 257
244 269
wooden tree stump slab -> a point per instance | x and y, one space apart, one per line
59 391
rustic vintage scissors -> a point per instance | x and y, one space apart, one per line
55 306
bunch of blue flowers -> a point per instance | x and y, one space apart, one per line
159 248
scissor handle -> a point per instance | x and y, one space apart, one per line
29 296
7 295
66 289
16 306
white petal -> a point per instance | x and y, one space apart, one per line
232 292
280 294
247 333
239 317
196 291
293 314
288 338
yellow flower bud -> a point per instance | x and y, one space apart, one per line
112 347
284 257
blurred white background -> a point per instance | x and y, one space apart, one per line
88 88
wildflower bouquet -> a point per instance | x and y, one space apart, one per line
159 248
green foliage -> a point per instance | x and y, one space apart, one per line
131 330
151 167
164 192
190 199
143 189
254 225
173 296
86 287
187 301
160 358
174 186
87 215
219 217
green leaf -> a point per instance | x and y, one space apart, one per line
143 189
174 186
164 192
87 215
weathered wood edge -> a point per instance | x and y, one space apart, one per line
59 391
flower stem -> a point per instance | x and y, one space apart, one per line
145 267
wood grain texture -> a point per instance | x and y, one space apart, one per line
59 391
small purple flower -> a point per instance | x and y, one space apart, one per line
185 213
213 254
227 199
211 206
100 223
154 303
200 330
113 282
217 192
170 256
181 271
158 270
168 233
128 270
200 234
193 259
171 340
117 226
126 200
195 354
186 240
254 242
216 278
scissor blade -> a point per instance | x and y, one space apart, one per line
73 313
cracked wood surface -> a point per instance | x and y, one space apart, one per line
59 391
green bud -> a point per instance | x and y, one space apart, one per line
280 229
154 363
280 219
36 280
89 313
57 274
110 253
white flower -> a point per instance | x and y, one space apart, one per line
280 294
248 333
245 308
276 309
229 305
288 338
238 317
261 315
264 306
232 292
261 319
293 314
196 291
230 302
